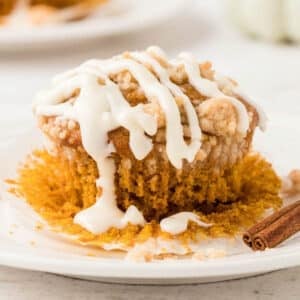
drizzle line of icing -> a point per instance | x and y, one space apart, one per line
178 223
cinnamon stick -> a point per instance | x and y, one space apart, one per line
274 229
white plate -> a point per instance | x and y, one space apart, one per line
116 17
24 247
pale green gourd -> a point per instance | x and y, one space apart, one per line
273 20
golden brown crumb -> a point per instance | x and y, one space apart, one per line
218 118
39 226
33 243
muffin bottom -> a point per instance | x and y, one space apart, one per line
58 187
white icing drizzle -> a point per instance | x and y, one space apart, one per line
178 223
100 108
210 89
19 15
164 78
155 90
262 117
223 81
206 87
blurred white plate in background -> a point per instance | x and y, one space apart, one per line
116 17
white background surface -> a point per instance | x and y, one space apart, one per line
40 286
268 72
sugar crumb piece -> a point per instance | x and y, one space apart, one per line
198 256
217 254
139 256
39 226
291 183
142 252
209 254
32 243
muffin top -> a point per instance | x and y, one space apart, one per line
144 92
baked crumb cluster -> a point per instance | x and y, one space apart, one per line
225 185
291 184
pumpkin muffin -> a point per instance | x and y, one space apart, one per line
143 148
37 12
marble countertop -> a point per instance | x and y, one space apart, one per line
18 284
201 30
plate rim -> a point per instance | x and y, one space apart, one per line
177 269
101 267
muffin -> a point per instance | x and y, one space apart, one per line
37 12
141 147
